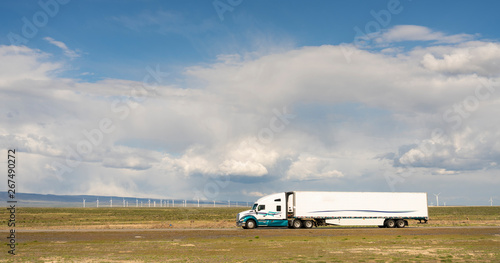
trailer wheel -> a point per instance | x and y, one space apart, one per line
297 223
390 223
250 224
400 223
308 224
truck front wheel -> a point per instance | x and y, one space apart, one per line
297 223
250 224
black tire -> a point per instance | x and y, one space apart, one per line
250 224
400 223
297 223
390 223
308 224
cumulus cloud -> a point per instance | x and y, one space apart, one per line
232 119
471 58
20 63
464 150
244 158
308 167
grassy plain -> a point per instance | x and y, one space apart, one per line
108 235
465 216
118 218
458 244
71 218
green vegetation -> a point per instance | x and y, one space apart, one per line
112 217
464 212
363 245
202 217
330 244
465 216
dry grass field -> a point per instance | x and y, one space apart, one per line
209 235
120 218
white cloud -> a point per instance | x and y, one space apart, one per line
180 137
242 168
67 52
471 58
409 33
253 194
402 33
310 167
244 158
22 63
463 150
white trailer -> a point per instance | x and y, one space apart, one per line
307 209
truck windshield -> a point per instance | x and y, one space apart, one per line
254 206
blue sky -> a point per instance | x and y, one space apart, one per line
119 38
236 99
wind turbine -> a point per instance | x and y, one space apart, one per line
123 202
136 202
437 199
491 201
83 202
97 202
111 202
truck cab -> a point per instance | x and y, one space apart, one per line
267 211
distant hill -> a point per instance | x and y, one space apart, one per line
49 200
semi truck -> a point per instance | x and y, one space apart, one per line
306 209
